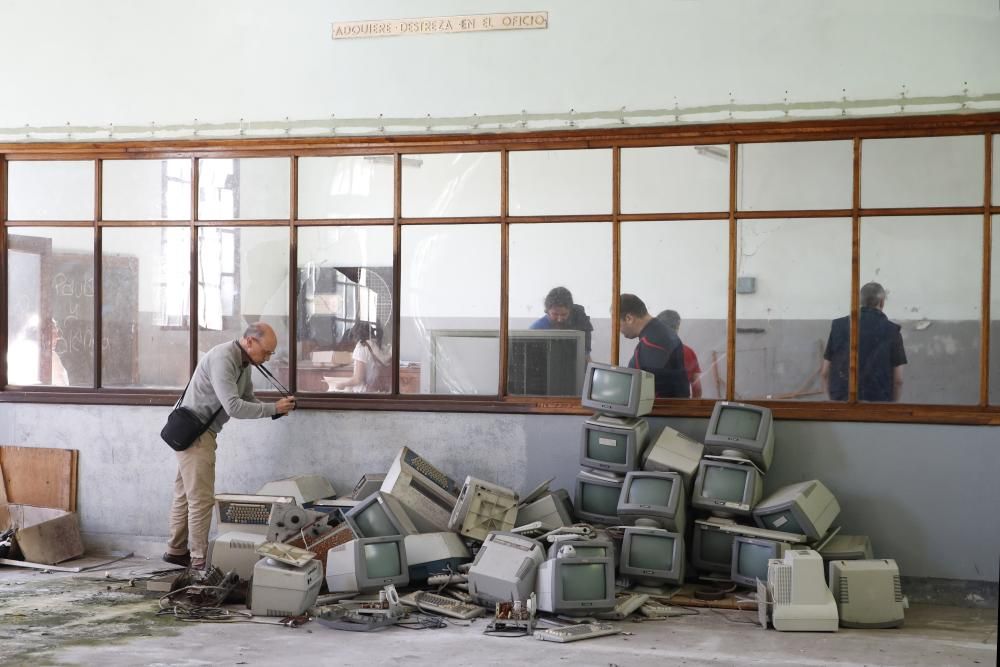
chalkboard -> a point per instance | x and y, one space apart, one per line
71 301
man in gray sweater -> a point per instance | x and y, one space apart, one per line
221 380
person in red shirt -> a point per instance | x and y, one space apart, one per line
673 321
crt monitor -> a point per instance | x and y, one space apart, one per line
711 548
750 556
726 487
741 430
582 548
365 565
611 443
617 390
652 556
596 499
654 500
545 362
379 515
807 508
576 586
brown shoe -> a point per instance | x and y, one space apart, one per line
197 564
184 560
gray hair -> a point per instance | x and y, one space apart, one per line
256 330
872 295
671 318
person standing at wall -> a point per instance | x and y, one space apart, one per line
659 349
881 355
562 313
221 382
673 321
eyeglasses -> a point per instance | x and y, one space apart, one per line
267 352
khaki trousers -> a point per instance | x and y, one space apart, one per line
194 496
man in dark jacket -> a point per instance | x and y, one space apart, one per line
659 349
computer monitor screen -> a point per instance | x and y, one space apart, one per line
712 549
583 581
750 557
653 499
379 515
382 560
617 390
726 488
738 423
652 556
741 429
597 498
613 443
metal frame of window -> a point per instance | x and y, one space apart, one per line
733 134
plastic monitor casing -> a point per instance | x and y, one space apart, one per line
428 494
847 547
671 515
646 576
868 593
551 593
759 449
777 551
369 483
434 553
390 506
483 507
802 600
632 433
505 568
582 548
806 507
584 478
347 568
752 489
284 590
642 391
304 488
674 452
236 552
553 510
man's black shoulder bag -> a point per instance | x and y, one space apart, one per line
183 426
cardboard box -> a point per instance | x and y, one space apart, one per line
43 535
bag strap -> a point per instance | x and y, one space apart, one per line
214 414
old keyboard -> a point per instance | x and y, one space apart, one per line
625 604
439 604
574 633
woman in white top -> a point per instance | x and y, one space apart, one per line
371 367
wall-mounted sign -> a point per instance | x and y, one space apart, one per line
440 24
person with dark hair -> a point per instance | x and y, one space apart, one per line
673 321
371 367
221 387
881 355
659 349
562 313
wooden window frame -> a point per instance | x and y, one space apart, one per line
733 134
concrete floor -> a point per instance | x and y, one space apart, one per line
104 617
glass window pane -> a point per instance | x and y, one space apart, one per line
145 307
451 185
995 310
50 325
146 190
996 170
50 190
795 175
345 309
790 286
346 187
682 266
550 345
575 182
675 179
450 318
927 171
243 278
243 188
931 270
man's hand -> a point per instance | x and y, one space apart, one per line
285 405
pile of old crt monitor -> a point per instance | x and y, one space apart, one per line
630 534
